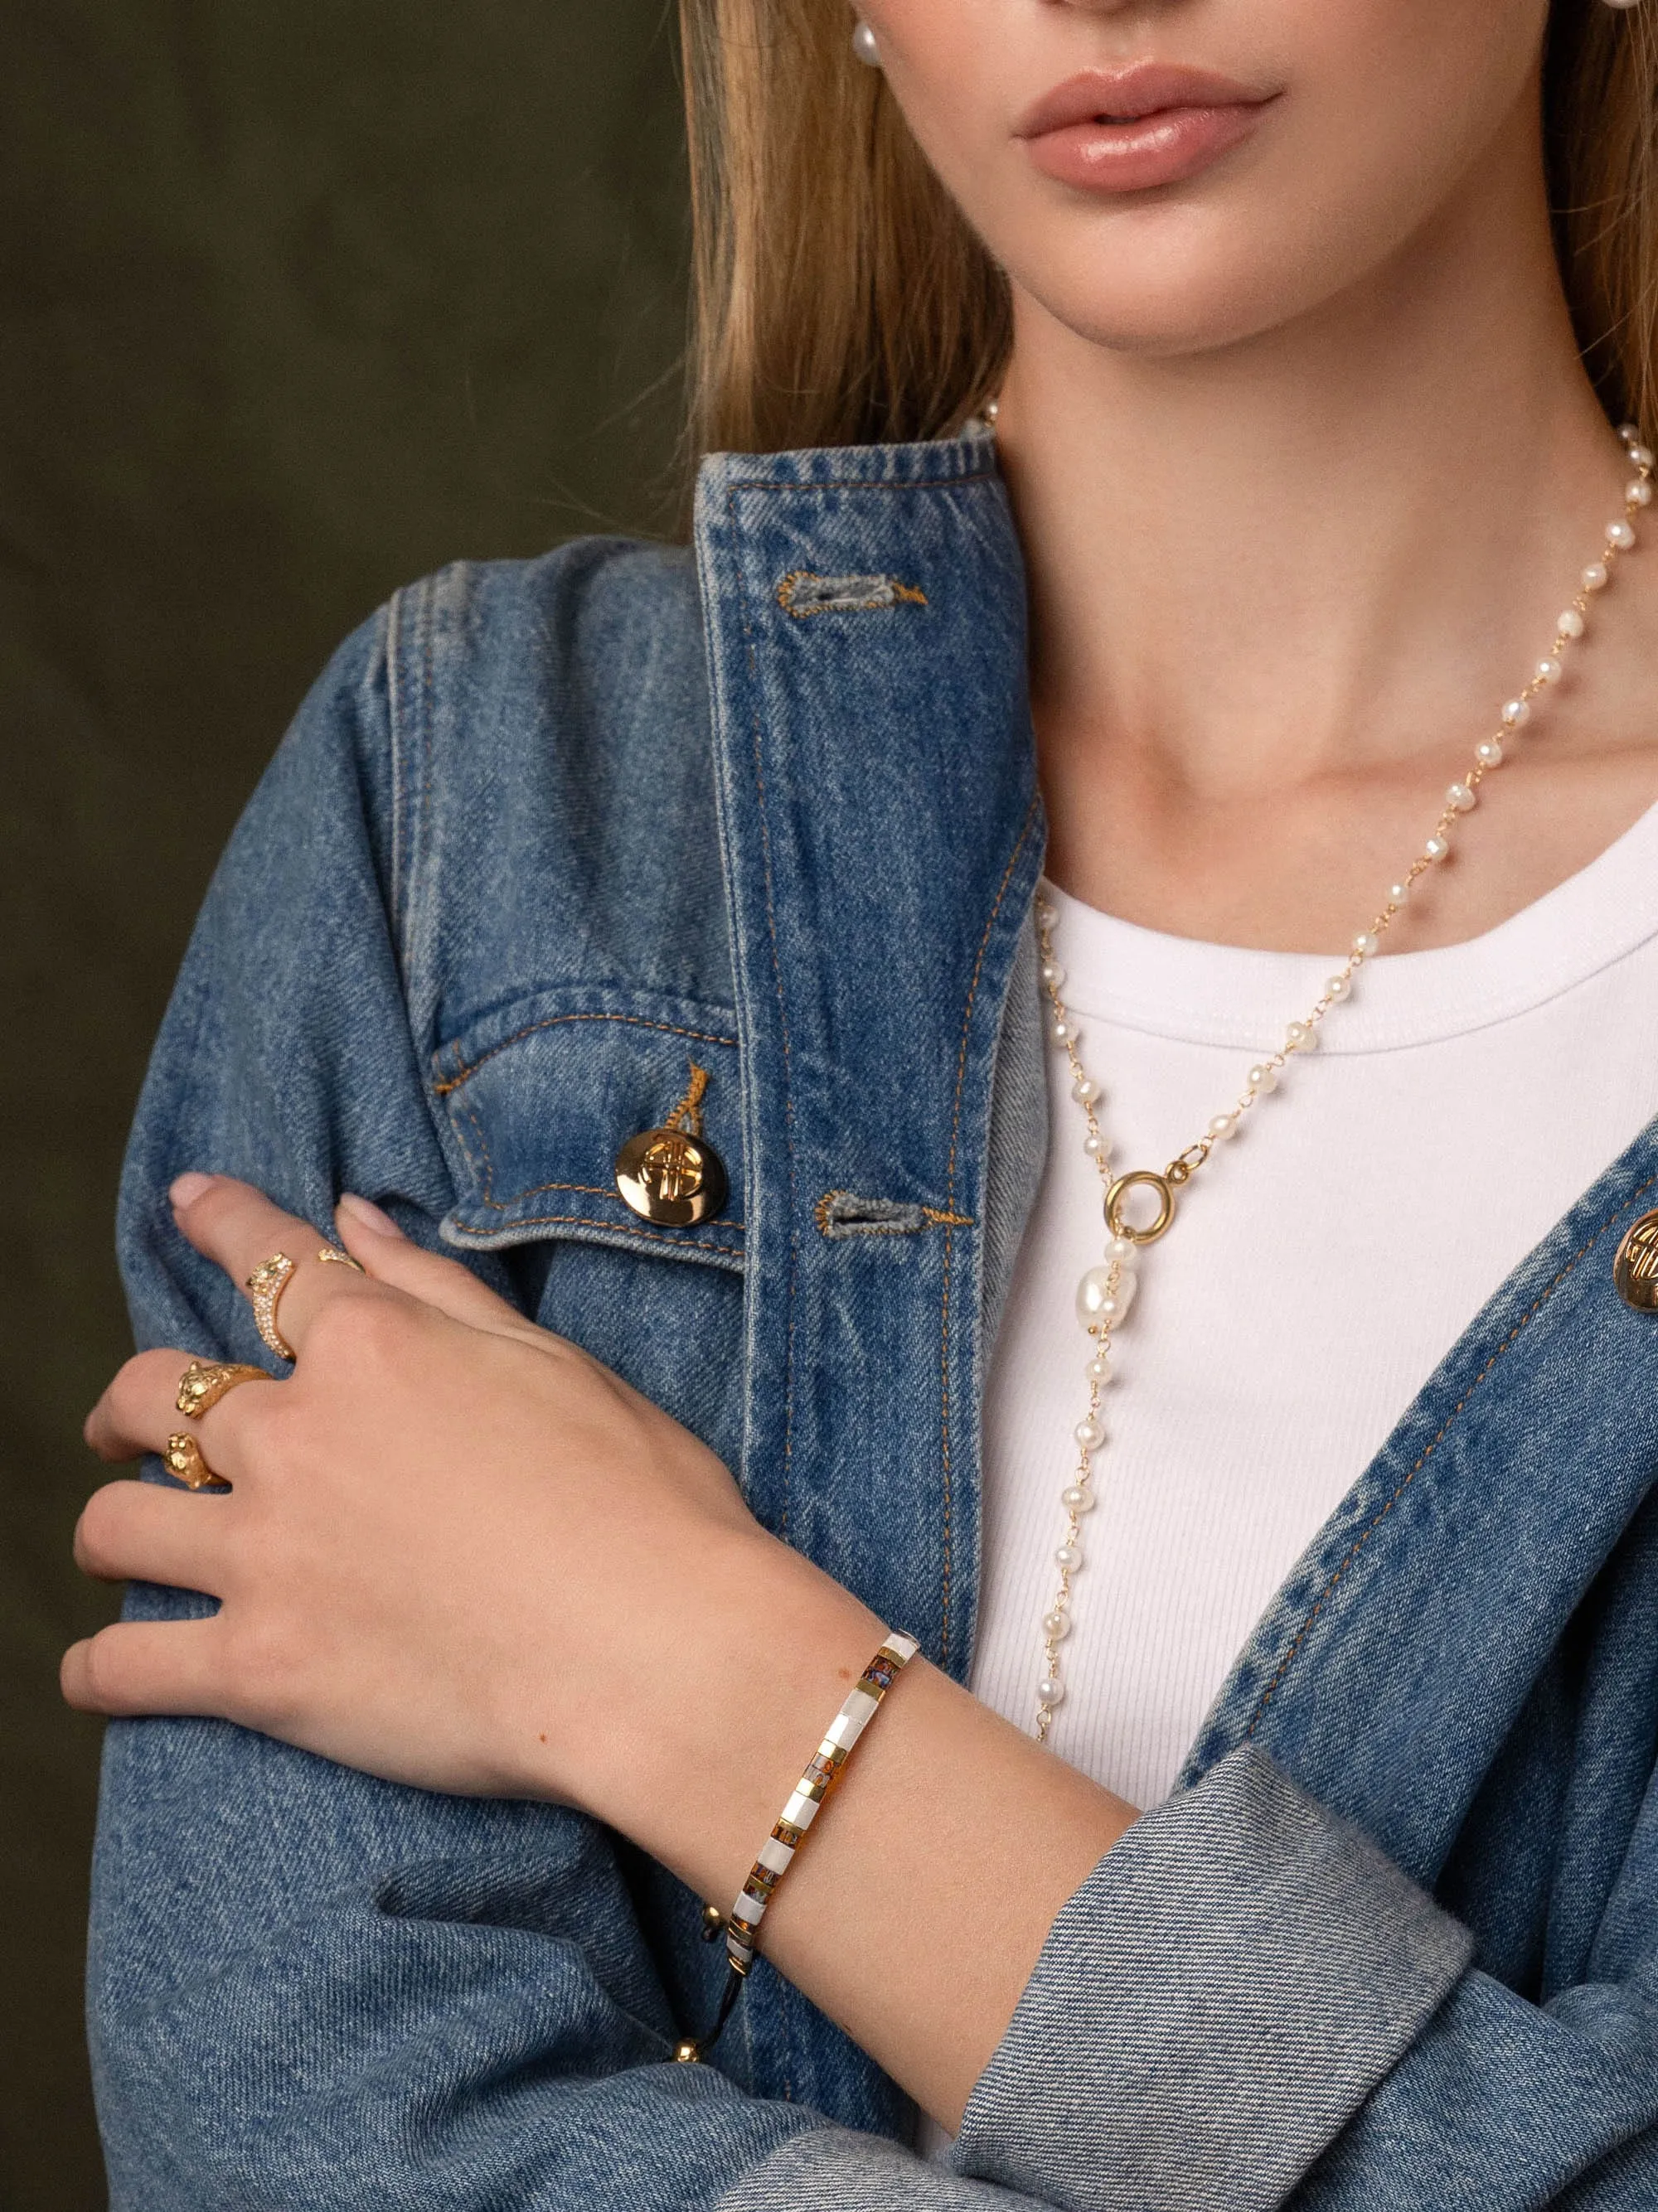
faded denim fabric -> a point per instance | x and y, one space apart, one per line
546 834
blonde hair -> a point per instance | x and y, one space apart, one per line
840 297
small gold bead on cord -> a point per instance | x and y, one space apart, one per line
1106 1292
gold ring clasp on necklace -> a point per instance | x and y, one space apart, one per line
1139 1179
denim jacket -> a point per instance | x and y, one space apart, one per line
546 835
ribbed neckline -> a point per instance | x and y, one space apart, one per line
1196 993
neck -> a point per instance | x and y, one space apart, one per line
1339 543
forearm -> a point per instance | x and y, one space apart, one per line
916 1910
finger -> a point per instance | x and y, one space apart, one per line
138 1532
146 1667
240 1229
139 1411
372 1238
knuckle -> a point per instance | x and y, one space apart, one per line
99 1531
103 1674
264 1658
359 1325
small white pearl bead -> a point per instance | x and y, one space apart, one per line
1125 1254
1223 1125
1641 455
1051 1693
1364 945
1063 1032
1629 432
1069 1555
1596 576
1300 1037
1549 670
1517 714
1076 1500
1052 973
1089 1434
1620 535
1638 492
1461 797
1337 987
1398 894
1570 624
1437 848
1056 1626
1099 1369
1262 1078
1489 753
1094 1146
1085 1090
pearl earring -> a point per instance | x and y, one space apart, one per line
864 46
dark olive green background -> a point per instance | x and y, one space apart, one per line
297 301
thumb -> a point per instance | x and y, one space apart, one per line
374 1239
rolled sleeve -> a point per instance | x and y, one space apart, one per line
1211 2006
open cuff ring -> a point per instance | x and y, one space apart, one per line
183 1457
204 1381
270 1279
265 1286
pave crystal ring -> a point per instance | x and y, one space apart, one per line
265 1286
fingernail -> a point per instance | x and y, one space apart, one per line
367 1215
189 1187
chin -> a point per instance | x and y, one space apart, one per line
1166 304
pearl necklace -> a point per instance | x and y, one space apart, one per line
1106 1292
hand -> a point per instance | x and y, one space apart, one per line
456 1550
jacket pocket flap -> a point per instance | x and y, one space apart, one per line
542 1095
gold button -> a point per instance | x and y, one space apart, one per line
668 1176
1635 1270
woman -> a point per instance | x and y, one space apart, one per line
660 933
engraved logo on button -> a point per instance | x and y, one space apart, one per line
1635 1270
671 1168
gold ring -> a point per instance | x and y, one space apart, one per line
265 1286
341 1259
204 1381
1141 1179
183 1457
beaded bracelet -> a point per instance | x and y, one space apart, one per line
740 1926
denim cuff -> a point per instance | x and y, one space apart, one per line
1211 2006
830 2169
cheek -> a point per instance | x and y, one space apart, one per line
1391 109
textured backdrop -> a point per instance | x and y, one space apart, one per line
297 302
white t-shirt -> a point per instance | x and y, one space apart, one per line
1320 1267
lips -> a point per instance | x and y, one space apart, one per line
1128 131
